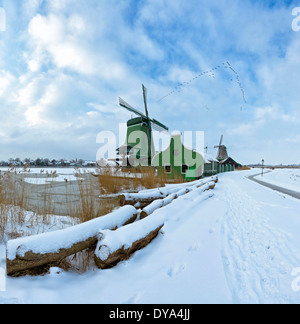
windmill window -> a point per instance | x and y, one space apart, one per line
168 169
184 168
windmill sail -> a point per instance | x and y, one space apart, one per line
145 100
221 140
159 126
125 105
220 144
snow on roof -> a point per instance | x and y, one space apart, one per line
176 133
209 158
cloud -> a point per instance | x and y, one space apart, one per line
64 63
6 79
63 39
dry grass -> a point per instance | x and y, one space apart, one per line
11 194
116 180
242 168
14 201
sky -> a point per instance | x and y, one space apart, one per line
223 67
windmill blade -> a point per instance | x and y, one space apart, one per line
125 105
159 126
221 140
145 99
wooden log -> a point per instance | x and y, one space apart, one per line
38 250
139 200
159 203
144 198
33 260
117 246
211 186
109 259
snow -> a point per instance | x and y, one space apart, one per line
127 235
176 133
240 245
52 242
59 178
159 203
49 170
111 241
158 193
209 158
286 178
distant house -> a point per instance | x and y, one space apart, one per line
228 165
178 161
89 164
66 163
211 166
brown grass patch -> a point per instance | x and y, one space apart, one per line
242 168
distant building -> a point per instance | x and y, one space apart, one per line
211 166
178 161
229 162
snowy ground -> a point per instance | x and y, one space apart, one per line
286 178
240 246
41 176
59 178
60 171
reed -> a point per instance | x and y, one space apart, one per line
95 196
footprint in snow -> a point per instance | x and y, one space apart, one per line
196 246
175 270
134 299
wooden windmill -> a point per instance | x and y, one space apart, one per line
142 123
222 151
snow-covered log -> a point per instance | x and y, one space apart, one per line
34 251
146 197
140 199
159 203
119 245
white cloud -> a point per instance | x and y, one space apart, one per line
64 40
6 79
65 62
274 113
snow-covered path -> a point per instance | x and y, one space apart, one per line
258 257
283 188
239 246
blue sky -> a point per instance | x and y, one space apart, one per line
64 63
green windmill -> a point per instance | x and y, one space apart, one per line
139 140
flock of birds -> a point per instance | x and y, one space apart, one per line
210 73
